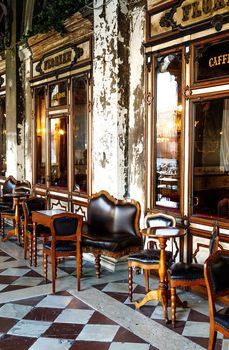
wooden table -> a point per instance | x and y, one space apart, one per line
42 217
162 293
17 197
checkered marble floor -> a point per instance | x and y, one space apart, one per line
98 317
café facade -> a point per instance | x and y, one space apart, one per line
133 100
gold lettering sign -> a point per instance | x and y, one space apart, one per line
188 14
219 60
60 60
191 11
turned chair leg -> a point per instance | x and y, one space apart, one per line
45 260
146 274
173 305
97 266
25 245
130 282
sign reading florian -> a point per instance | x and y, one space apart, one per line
58 60
185 14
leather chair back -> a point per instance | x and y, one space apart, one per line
113 216
65 226
159 220
218 273
33 204
214 241
8 187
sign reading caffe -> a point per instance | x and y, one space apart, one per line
188 14
212 61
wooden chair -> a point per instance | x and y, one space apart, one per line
43 232
65 241
216 276
6 203
112 227
11 212
148 259
189 275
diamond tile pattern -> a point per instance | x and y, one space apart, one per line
63 322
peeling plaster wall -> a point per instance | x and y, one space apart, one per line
109 108
137 106
26 154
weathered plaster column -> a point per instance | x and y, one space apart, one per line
118 108
111 96
11 100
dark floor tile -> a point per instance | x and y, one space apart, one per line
152 348
179 327
98 318
10 288
78 304
30 301
43 314
6 324
139 290
118 296
7 279
146 310
197 316
63 330
204 342
89 345
32 273
100 286
10 342
125 336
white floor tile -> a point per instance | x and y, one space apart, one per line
53 344
2 286
196 329
117 287
225 345
129 346
74 316
14 310
103 333
55 301
29 328
27 281
14 272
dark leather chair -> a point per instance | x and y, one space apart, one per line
216 274
65 241
112 227
189 275
22 187
29 205
8 186
148 258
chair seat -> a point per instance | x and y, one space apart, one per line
62 246
188 272
222 318
112 242
148 256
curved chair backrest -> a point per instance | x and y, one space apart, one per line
66 225
159 220
112 215
33 204
9 185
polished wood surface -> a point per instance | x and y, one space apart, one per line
162 293
42 217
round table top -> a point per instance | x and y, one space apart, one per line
16 194
167 232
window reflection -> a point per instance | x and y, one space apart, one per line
58 151
211 158
58 94
40 135
168 130
80 134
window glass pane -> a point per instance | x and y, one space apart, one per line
80 134
2 136
211 158
58 94
168 130
58 152
212 61
40 135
